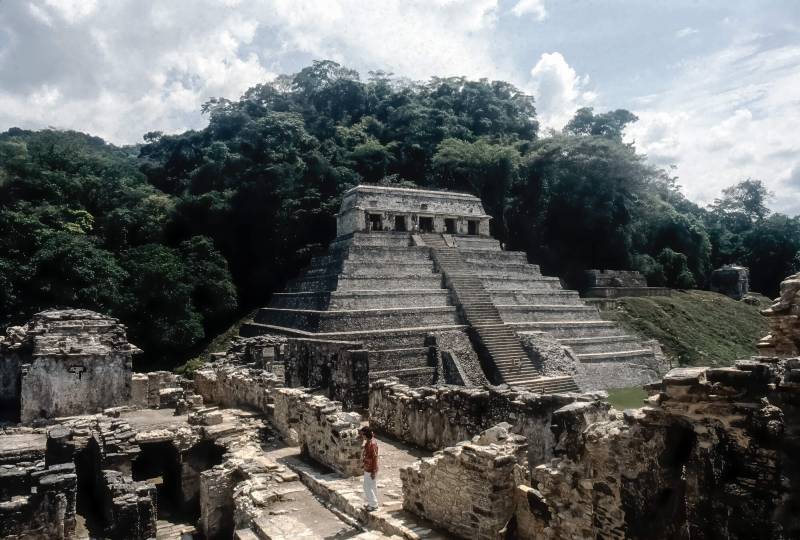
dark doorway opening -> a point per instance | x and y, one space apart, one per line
10 393
200 457
400 223
472 227
426 224
375 222
159 464
450 226
88 502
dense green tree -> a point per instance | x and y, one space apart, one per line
182 233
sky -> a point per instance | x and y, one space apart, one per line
715 84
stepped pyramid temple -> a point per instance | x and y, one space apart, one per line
416 288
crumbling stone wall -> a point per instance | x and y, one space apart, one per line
784 321
339 367
318 424
37 499
230 385
712 456
436 417
70 361
157 389
467 489
731 280
614 278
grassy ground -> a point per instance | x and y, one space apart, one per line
627 398
695 327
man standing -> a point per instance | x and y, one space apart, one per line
369 458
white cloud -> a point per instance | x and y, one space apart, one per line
73 10
558 90
686 32
728 116
535 8
156 63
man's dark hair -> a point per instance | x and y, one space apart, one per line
366 431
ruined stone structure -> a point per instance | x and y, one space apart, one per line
64 362
234 454
618 283
784 321
415 287
731 280
474 481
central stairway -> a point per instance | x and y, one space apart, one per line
495 339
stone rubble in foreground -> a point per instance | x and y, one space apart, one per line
234 453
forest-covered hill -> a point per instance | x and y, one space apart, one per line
180 235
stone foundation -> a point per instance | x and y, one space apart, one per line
319 426
467 489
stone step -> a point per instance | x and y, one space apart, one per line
616 356
385 360
245 534
360 299
552 385
389 268
546 296
362 319
534 313
477 243
601 344
373 340
529 284
569 329
355 283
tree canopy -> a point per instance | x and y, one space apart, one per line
180 234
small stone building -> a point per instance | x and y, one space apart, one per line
731 280
63 363
378 208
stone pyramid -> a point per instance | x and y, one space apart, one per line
412 267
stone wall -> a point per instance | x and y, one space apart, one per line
156 389
37 499
319 426
712 456
467 489
731 280
464 358
230 385
784 321
70 362
436 417
340 367
614 278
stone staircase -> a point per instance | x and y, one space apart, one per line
498 342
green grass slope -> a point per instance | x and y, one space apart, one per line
696 327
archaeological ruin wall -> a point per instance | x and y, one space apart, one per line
473 482
437 417
62 363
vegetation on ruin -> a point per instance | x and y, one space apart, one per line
699 328
183 234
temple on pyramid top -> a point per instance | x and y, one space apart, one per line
379 208
415 287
